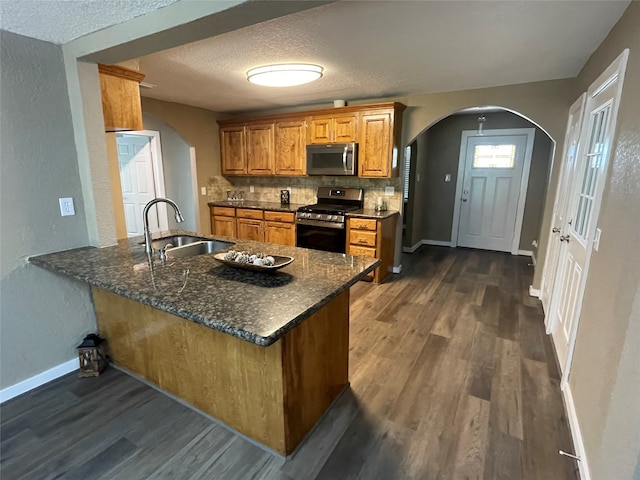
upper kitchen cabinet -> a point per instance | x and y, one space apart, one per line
276 144
291 141
333 128
232 151
260 149
120 89
379 141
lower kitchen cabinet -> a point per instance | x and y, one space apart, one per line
373 237
254 224
280 228
223 221
249 224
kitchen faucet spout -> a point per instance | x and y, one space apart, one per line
145 218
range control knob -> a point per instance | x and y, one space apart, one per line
318 216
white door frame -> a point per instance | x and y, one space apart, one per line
614 73
530 133
158 171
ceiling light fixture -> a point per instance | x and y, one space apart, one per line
284 75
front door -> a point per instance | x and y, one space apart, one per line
594 151
491 190
137 182
559 225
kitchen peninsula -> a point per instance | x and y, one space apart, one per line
265 353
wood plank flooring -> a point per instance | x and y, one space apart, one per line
452 377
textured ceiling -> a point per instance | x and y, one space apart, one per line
376 49
60 21
370 49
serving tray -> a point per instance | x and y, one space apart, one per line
279 262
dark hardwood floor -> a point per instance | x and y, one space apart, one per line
452 377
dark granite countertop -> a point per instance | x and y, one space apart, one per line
256 205
255 306
371 213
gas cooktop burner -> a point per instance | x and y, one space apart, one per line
328 208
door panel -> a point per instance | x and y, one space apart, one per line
586 185
559 225
493 169
137 183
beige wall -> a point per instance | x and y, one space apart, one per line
199 129
605 375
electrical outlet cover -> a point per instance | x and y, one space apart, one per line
66 207
389 191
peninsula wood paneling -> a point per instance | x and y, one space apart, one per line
274 394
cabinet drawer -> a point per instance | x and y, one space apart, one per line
362 251
249 213
361 237
363 223
279 216
224 211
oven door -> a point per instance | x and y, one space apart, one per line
320 237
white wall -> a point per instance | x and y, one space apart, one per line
43 317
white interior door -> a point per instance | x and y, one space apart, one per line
138 183
593 155
491 189
559 223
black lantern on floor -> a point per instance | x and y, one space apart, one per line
92 357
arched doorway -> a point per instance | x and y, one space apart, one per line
433 173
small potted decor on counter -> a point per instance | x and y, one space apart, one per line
93 360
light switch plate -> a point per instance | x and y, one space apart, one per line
203 191
389 191
66 207
251 189
447 177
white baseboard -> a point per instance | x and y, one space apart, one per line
576 434
37 380
435 243
397 269
526 253
534 292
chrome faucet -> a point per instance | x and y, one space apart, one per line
145 219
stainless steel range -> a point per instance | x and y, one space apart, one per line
322 226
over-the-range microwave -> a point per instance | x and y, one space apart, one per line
332 159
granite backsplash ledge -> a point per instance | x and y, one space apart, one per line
304 189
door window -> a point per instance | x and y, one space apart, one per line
494 156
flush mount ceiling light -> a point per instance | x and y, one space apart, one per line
284 75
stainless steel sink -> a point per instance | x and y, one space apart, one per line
201 247
175 240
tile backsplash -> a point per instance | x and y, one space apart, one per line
303 189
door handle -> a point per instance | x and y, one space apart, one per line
555 230
464 199
564 238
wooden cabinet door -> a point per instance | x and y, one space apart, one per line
345 128
260 152
333 129
290 148
233 151
225 226
250 229
375 152
320 130
280 233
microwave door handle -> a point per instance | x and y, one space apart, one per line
344 158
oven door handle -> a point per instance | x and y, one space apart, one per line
316 223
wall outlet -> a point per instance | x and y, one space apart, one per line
389 191
447 177
66 207
417 177
251 189
203 191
